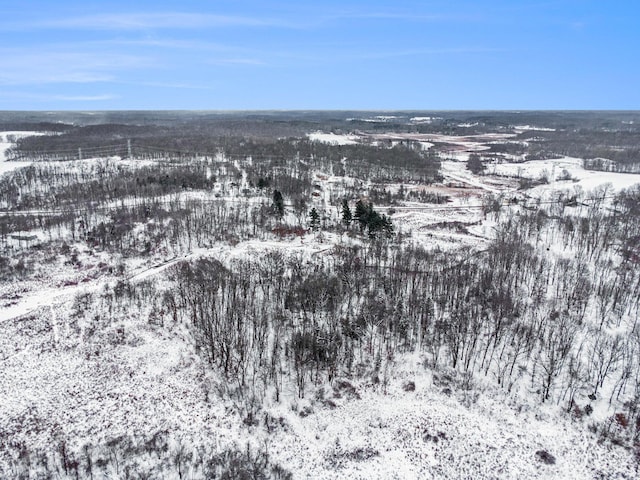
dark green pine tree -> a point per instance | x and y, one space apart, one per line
361 215
278 203
387 226
347 217
375 223
315 219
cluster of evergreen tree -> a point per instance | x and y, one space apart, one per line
368 219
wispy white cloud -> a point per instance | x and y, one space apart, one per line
85 98
33 76
430 51
171 85
303 18
402 16
19 95
35 66
164 43
141 21
237 61
335 55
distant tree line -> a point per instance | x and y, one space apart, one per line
362 161
603 149
51 186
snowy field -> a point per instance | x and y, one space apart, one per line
333 138
7 139
564 174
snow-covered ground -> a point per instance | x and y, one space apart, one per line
7 139
564 173
62 371
436 432
95 378
526 128
333 138
99 381
424 119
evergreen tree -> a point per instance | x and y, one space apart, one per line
387 226
361 215
372 221
315 219
278 203
347 217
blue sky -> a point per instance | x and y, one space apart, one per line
239 55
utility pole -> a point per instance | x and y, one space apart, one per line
79 154
129 148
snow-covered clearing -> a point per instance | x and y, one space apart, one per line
57 376
8 139
526 128
424 119
457 172
41 296
9 166
564 174
333 138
